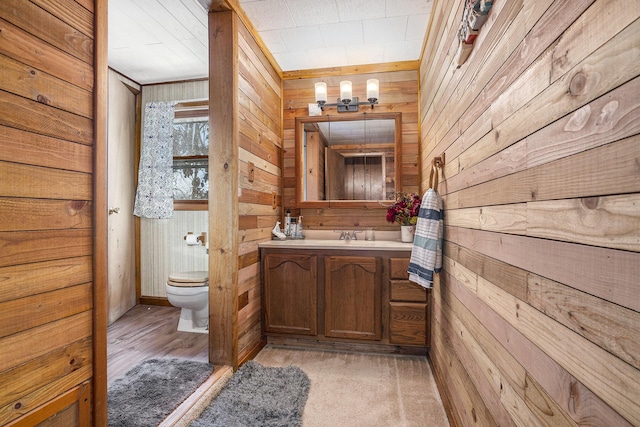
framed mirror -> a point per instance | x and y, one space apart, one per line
348 160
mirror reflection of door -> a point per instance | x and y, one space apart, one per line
364 177
355 154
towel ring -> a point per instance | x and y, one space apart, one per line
433 183
436 163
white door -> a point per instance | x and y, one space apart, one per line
121 274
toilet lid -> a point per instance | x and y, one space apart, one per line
189 278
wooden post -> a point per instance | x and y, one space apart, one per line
223 191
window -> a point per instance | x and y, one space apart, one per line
190 159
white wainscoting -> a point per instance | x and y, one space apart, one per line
163 249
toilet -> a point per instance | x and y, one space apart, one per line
189 290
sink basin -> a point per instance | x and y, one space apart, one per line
335 235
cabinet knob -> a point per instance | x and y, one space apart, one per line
114 211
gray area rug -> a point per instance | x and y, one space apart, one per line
152 390
259 396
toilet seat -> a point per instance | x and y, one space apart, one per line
189 279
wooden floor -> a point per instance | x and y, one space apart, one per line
148 331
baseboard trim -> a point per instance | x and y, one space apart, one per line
155 301
329 345
446 403
251 354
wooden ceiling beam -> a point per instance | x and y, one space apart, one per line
351 69
218 5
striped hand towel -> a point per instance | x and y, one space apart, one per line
426 254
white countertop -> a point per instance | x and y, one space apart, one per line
372 245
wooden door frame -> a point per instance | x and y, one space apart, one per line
100 211
223 346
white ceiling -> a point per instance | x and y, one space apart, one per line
153 41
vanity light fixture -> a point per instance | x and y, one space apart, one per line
347 103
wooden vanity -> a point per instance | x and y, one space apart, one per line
332 294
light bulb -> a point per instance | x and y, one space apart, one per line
345 91
373 89
321 92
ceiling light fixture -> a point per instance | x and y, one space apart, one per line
347 103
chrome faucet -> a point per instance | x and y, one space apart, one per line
346 235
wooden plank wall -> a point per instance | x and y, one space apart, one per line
537 315
398 93
46 205
260 200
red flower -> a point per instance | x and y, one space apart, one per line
405 210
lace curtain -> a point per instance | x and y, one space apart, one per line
154 196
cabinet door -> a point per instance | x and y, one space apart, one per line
291 293
353 297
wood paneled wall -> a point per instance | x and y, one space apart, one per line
46 204
398 93
260 175
191 90
245 169
536 314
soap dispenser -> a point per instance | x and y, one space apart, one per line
292 228
299 227
287 223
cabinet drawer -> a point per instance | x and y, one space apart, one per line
408 323
404 290
398 268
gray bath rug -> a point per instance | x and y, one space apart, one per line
152 390
259 396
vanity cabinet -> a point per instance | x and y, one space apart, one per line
352 299
290 293
408 306
352 292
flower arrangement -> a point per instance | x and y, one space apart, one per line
405 209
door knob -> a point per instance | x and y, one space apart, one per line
114 211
